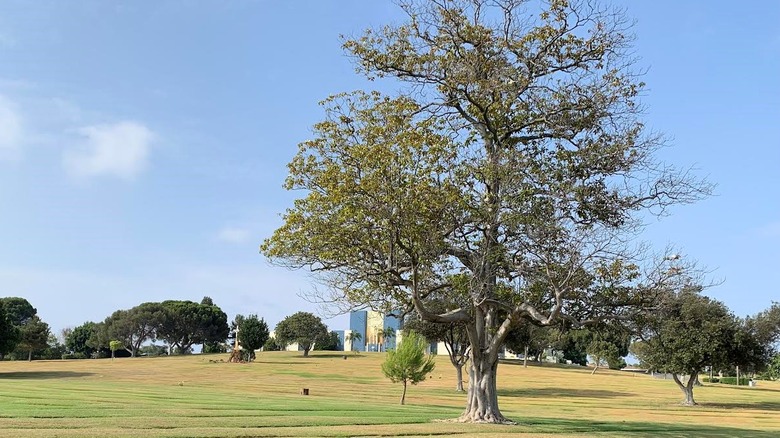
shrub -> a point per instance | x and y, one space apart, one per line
78 355
743 381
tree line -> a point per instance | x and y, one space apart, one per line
178 324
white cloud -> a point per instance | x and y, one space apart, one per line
119 149
233 235
10 130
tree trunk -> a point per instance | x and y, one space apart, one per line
459 374
687 388
525 357
305 352
403 394
29 356
482 398
598 360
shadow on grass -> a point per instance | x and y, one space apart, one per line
335 355
561 392
640 429
766 405
44 375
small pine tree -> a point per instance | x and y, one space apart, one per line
408 363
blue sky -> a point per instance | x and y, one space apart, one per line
143 144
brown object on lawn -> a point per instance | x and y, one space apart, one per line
304 391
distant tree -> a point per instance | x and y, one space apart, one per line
54 349
114 346
272 345
19 310
408 363
529 339
303 328
687 333
9 332
749 350
135 326
77 340
773 368
758 339
640 350
607 342
34 336
215 328
252 333
353 337
454 337
185 323
329 342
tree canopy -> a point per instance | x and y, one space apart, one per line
185 323
252 335
9 332
302 328
685 334
513 151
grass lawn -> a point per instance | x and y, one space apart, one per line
191 396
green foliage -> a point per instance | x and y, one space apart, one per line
689 332
773 368
9 333
252 334
18 310
353 338
331 342
408 363
272 345
185 323
53 350
513 151
743 381
303 328
34 336
77 341
132 327
686 333
114 346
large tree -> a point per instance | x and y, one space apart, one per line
514 151
302 328
185 323
132 327
686 333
